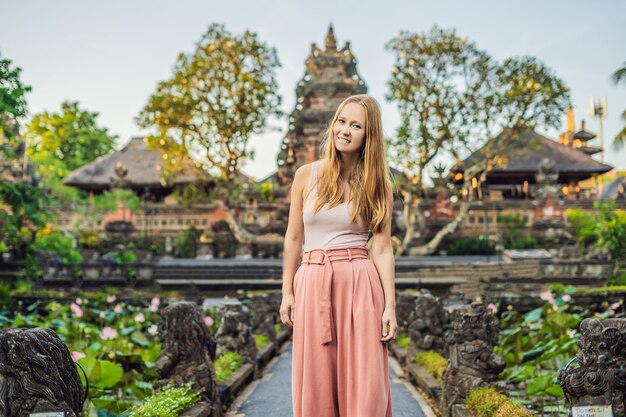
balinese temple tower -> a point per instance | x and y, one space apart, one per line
577 139
330 77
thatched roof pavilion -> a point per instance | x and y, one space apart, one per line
142 168
522 159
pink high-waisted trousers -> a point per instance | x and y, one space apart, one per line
340 365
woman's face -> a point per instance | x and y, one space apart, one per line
349 129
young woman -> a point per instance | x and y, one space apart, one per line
341 300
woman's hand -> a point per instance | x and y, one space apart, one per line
390 325
286 310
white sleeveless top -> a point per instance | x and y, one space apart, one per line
330 228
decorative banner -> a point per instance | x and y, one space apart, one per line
592 411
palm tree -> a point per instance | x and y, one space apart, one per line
620 139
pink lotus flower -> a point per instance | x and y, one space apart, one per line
118 309
156 301
111 299
545 295
598 314
101 314
615 306
76 310
108 333
567 297
139 318
208 320
493 308
153 330
153 307
77 355
79 301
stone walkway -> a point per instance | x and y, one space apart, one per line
271 394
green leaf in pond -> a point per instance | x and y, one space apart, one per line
532 315
110 374
140 339
555 391
127 330
538 385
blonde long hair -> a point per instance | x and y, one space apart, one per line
371 179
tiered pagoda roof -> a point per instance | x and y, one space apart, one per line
577 139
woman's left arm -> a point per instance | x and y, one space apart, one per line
382 256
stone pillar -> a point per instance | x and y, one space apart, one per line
471 360
600 378
428 326
37 374
235 332
264 315
188 352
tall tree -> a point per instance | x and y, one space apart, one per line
620 138
12 103
63 142
453 97
442 84
218 96
22 204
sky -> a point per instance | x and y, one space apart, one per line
110 55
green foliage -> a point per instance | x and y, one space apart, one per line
487 402
88 239
62 246
260 340
226 364
511 229
12 98
471 246
170 401
125 257
218 96
403 340
191 194
114 341
278 327
583 226
620 139
440 81
604 229
187 244
5 295
63 142
433 362
607 227
536 346
24 209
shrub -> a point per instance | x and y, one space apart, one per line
168 402
126 256
403 339
260 340
62 246
226 365
88 239
433 362
487 402
187 244
471 246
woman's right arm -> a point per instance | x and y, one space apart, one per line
294 238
